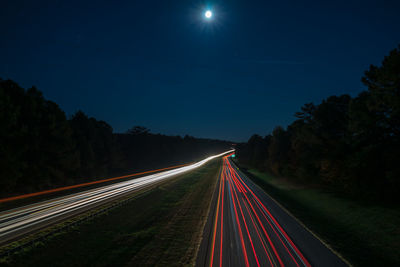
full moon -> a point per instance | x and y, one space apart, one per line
208 14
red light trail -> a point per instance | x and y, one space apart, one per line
247 232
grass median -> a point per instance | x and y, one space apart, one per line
366 235
163 227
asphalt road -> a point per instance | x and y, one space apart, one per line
248 228
18 222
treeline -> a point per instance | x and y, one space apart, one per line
350 145
143 150
40 148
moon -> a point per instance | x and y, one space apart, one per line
208 14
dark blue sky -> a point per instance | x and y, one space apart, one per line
160 65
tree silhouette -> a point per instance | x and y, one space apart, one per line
40 148
351 145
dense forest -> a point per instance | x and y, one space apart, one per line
349 145
40 148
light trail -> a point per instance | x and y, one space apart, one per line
260 239
263 228
59 189
278 226
247 229
216 222
222 220
259 236
19 221
246 259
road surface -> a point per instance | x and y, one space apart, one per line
21 221
248 228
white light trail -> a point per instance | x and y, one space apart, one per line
22 218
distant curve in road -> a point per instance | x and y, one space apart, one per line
23 220
246 227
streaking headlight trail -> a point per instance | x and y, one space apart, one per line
22 220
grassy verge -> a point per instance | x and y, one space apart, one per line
161 228
364 235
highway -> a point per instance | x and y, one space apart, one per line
23 220
246 227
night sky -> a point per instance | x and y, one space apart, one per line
160 64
